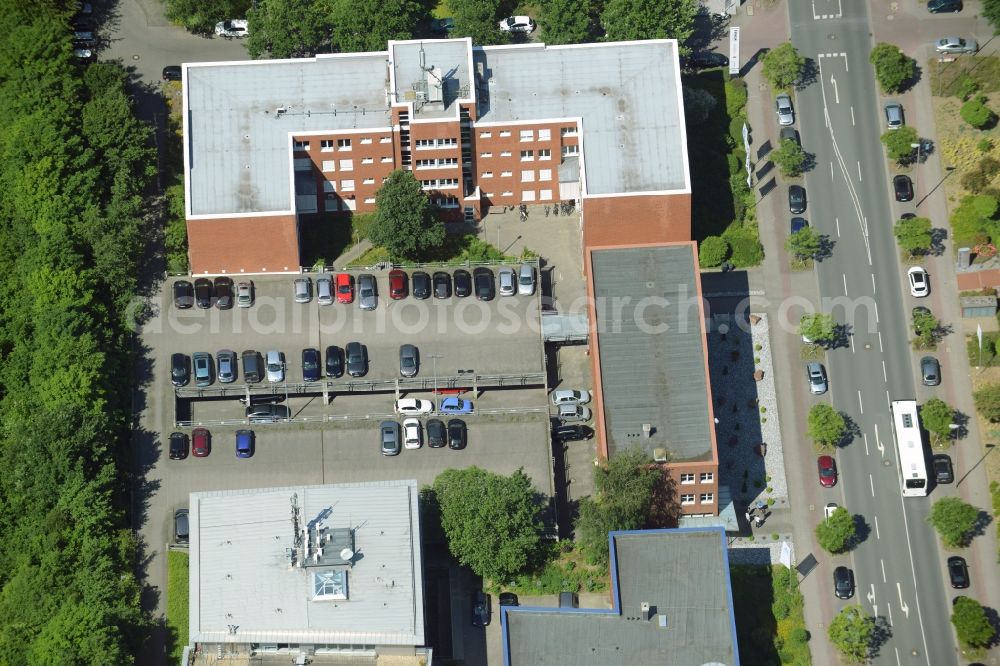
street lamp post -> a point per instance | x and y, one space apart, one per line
989 450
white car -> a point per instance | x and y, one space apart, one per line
569 397
413 406
413 435
829 509
231 28
275 364
517 24
526 280
505 276
919 285
783 107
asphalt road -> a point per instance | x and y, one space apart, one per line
899 575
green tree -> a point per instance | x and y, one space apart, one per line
623 489
974 215
937 417
971 623
783 66
404 223
804 244
899 142
817 327
712 251
478 19
954 520
827 426
626 20
567 21
367 25
790 158
200 16
991 12
852 633
836 533
914 235
893 68
492 522
988 401
976 113
288 28
926 326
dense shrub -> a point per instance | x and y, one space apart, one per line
746 248
976 113
712 251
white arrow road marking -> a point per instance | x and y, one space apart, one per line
836 94
871 596
902 606
878 442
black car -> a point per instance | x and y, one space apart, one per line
930 371
796 199
571 433
508 599
943 471
172 73
480 609
456 434
707 60
183 295
843 583
442 285
420 284
310 365
357 359
958 572
180 369
334 361
223 293
267 413
789 134
485 287
903 187
181 529
178 446
203 293
463 283
436 434
944 6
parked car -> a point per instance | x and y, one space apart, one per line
437 436
943 6
413 406
244 294
930 371
203 293
413 434
397 284
919 285
453 405
505 276
202 368
201 442
517 24
84 55
570 397
816 374
443 25
409 360
334 361
324 290
526 280
783 107
789 134
182 532
367 292
902 187
571 433
480 609
843 583
389 438
827 471
225 361
302 288
956 45
274 362
310 364
180 369
457 434
357 359
183 294
484 283
178 446
84 39
267 413
508 599
244 443
463 283
798 224
707 60
958 572
943 470
172 73
223 293
253 366
574 412
893 115
829 509
420 283
442 285
231 28
796 199
345 288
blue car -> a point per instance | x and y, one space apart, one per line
455 406
244 443
798 224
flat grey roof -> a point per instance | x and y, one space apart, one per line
238 147
240 574
627 94
444 64
682 574
651 350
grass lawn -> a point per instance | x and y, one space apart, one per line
177 603
564 571
770 626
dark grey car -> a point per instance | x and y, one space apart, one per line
180 369
182 532
409 360
225 360
930 371
796 199
367 292
389 438
843 583
267 413
357 359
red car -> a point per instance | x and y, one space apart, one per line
827 471
397 284
201 442
345 288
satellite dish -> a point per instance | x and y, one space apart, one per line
347 554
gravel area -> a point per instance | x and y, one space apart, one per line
762 550
746 411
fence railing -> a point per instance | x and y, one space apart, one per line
342 418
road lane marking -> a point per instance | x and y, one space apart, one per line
884 375
852 345
860 403
880 341
853 124
898 662
882 562
865 436
844 275
836 219
859 172
878 442
913 574
831 170
902 604
888 402
871 595
871 482
836 91
888 608
873 284
879 536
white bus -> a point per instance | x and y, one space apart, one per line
909 448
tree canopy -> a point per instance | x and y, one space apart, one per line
567 21
954 520
937 416
783 66
805 243
988 401
852 632
288 28
404 222
972 625
478 19
893 68
826 425
789 157
367 25
712 251
200 16
899 143
817 326
836 533
626 20
914 235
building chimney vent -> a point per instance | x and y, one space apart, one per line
645 611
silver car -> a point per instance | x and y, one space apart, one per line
275 364
225 359
574 412
409 360
367 292
302 288
526 280
505 276
324 290
783 107
956 45
817 378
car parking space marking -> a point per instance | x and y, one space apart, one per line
820 17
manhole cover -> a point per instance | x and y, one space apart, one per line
831 37
135 56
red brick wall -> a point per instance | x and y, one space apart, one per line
636 220
359 172
489 140
244 244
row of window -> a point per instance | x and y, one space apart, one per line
704 498
445 202
527 176
706 477
526 155
439 184
424 144
529 134
327 145
527 195
346 185
348 165
438 163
